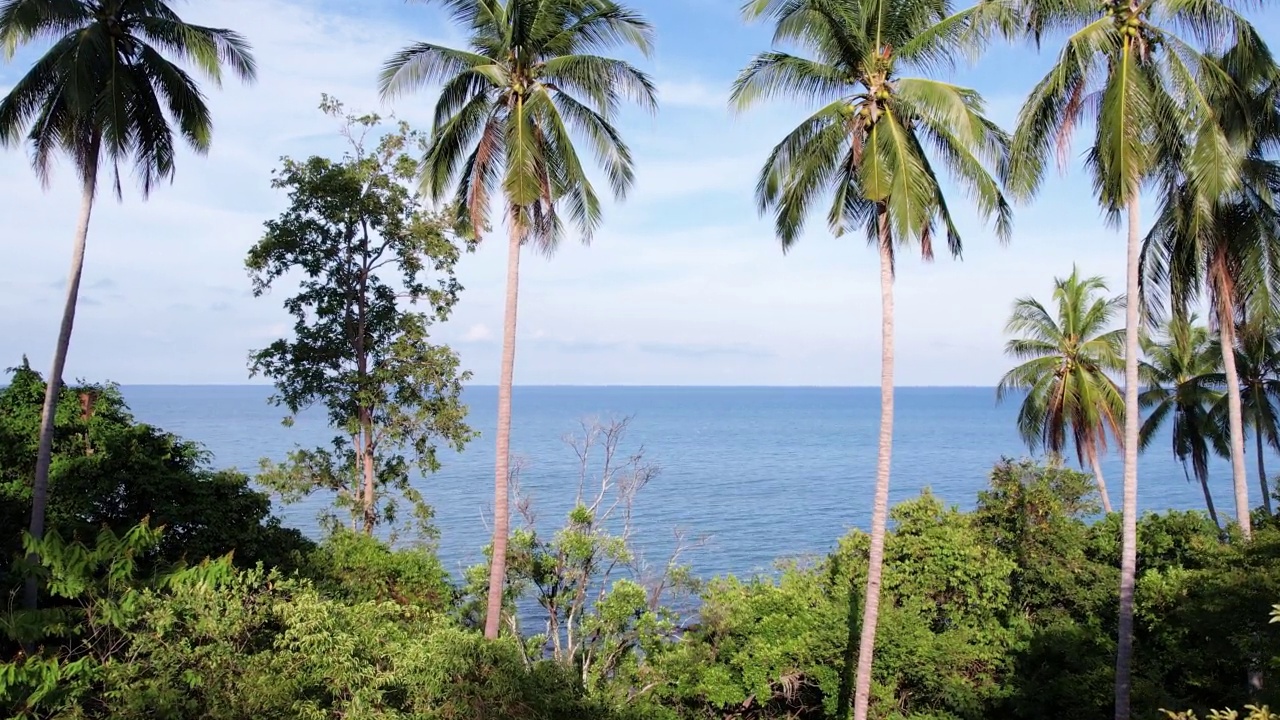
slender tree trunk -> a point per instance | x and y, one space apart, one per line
1097 476
844 694
1129 503
501 480
880 507
1235 414
53 383
370 514
1262 462
1208 496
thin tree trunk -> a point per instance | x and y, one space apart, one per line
1129 503
501 480
1262 462
1235 414
880 507
1208 496
370 515
844 694
1097 476
53 383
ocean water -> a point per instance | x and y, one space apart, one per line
756 474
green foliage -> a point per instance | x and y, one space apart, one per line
66 649
874 146
354 567
1003 613
600 610
532 77
222 644
1067 354
1255 713
110 471
104 90
371 253
1179 385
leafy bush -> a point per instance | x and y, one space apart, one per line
110 471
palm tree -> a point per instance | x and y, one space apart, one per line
509 108
870 150
105 92
1218 229
1126 69
1068 354
1258 372
1178 377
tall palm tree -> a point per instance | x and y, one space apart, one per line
1258 371
105 92
1126 69
1178 379
510 106
1068 355
871 151
1218 229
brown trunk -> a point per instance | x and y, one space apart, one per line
1235 413
880 507
501 521
1208 496
370 514
1129 503
1262 462
53 386
1097 476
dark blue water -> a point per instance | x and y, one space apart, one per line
764 472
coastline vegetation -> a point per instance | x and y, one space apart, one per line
149 584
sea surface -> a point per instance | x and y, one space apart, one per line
754 474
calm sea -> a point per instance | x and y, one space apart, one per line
761 473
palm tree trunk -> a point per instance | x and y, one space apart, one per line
367 456
1235 413
1129 503
880 507
844 694
1262 463
1097 476
53 384
501 480
1208 496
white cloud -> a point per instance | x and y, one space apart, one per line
683 284
693 94
478 333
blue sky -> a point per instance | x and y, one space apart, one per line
684 285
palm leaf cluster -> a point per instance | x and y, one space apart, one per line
1185 384
1069 355
877 142
1180 375
513 102
112 88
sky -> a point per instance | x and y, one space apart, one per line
685 283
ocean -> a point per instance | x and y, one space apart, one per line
754 474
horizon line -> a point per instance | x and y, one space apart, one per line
612 385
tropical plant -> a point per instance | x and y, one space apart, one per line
356 227
1178 380
105 92
1126 70
509 109
1068 355
873 149
1258 373
1218 225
